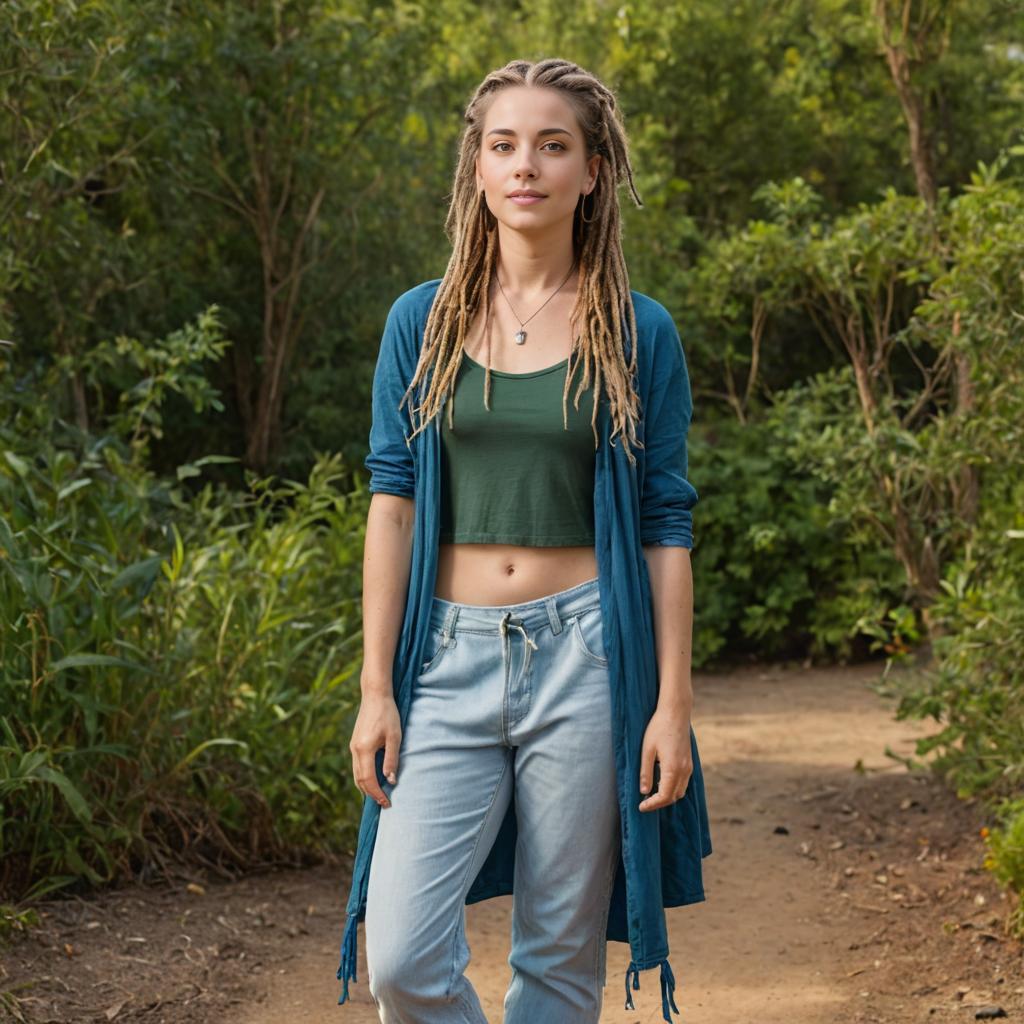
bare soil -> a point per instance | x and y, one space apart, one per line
842 890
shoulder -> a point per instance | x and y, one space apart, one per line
659 347
414 304
403 329
650 313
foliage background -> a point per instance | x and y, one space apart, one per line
206 212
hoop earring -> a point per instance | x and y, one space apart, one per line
583 210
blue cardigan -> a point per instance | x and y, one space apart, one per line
649 503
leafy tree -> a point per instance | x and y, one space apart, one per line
69 153
271 111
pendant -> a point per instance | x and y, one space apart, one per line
520 337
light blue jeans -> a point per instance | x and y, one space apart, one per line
512 697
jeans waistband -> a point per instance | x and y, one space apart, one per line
552 610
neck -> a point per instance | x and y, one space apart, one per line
531 267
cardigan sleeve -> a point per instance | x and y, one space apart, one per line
667 497
390 460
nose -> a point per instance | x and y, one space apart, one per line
526 166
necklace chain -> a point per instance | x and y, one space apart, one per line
520 335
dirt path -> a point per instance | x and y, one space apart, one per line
793 929
842 890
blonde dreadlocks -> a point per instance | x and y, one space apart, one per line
603 303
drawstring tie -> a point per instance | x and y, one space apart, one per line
503 628
668 985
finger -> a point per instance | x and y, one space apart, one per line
665 796
356 775
368 777
668 791
391 745
681 780
647 768
652 803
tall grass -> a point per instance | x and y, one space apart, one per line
178 673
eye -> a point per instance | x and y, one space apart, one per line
552 143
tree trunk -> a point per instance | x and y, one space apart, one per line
899 60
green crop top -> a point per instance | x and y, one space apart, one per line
514 474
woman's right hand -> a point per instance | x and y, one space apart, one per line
377 725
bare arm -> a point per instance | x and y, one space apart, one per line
387 557
667 737
672 596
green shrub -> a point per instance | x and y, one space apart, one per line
1005 857
975 689
778 571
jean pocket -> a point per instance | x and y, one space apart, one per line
588 632
435 648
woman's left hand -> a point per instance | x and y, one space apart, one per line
667 740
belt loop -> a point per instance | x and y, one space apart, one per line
552 609
449 625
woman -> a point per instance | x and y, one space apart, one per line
526 699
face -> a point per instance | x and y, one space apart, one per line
532 141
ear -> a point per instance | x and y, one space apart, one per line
593 167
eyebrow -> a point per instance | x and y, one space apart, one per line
543 131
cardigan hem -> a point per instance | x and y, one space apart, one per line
400 490
686 898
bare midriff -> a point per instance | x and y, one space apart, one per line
499 574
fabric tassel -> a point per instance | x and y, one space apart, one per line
347 967
668 985
635 971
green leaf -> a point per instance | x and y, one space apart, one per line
92 660
141 572
76 485
19 465
75 800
